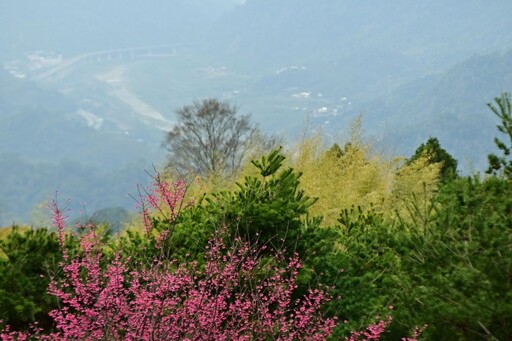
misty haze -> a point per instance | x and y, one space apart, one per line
88 88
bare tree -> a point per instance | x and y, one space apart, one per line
209 138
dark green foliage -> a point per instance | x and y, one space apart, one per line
336 151
503 164
450 270
447 264
266 209
360 260
471 251
29 257
455 269
436 154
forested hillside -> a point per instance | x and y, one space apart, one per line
42 124
46 146
450 105
361 48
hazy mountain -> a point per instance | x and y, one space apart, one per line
362 47
96 119
27 186
414 68
450 106
48 143
43 124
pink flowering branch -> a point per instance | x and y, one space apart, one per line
225 301
59 217
376 331
372 332
163 197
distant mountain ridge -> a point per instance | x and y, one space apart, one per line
49 142
45 125
364 44
450 106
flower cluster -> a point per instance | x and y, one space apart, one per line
233 298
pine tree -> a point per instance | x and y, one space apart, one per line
436 154
503 164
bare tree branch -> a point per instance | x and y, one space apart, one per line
209 138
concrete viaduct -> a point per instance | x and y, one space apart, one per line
112 55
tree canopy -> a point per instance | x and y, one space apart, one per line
436 154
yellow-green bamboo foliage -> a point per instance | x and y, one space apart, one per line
414 186
353 176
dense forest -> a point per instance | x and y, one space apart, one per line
310 242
